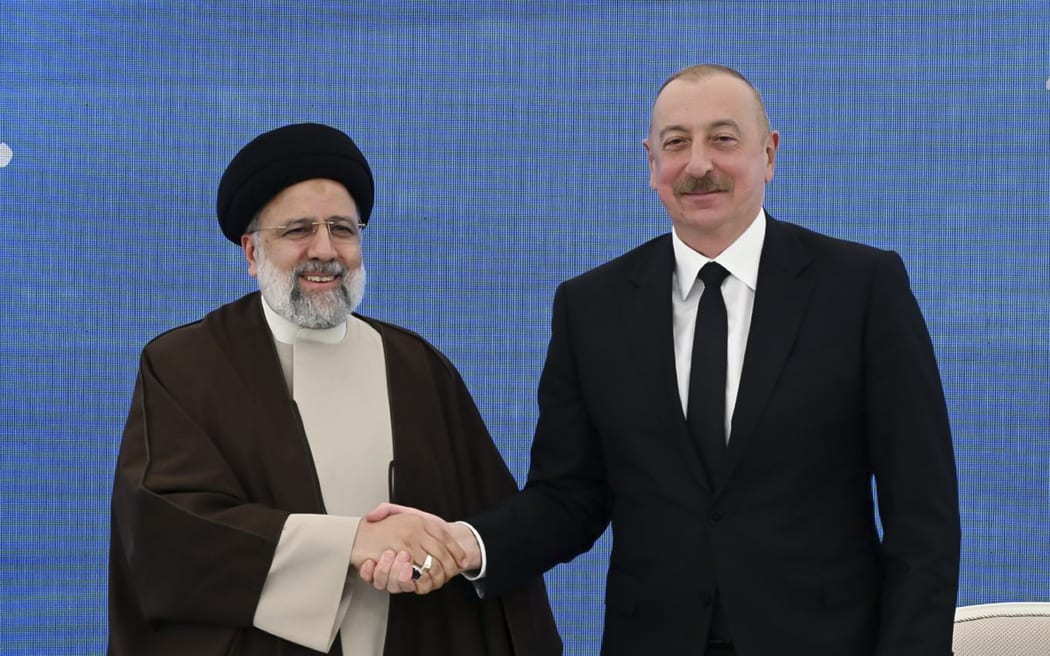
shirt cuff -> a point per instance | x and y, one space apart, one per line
306 593
477 574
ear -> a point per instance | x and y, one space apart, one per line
772 142
652 163
248 245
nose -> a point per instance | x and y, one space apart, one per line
321 246
699 163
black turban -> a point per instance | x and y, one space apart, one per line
286 156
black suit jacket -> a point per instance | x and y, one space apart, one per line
839 384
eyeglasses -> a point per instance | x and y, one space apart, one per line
304 230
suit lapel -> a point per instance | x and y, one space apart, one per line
784 286
648 318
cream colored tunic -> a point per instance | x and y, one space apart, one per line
337 377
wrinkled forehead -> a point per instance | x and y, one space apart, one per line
710 99
304 199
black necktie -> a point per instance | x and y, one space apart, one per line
707 378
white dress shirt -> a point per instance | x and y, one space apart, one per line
741 260
738 289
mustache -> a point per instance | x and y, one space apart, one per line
691 185
329 268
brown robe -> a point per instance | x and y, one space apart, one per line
213 460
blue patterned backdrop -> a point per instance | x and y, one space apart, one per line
506 144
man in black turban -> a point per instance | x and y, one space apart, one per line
261 435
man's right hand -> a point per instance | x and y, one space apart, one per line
394 541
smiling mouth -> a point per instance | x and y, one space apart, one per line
318 278
700 196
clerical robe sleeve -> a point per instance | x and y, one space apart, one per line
306 594
195 547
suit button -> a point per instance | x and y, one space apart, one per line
715 516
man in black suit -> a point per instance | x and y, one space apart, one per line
737 470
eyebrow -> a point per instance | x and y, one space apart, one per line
334 217
725 123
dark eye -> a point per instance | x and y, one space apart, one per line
298 231
343 230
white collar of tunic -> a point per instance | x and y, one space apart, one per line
740 258
286 332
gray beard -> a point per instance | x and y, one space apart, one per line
314 310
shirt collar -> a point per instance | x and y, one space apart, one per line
286 332
740 259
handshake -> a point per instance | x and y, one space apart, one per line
401 549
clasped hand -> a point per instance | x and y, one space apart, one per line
392 538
